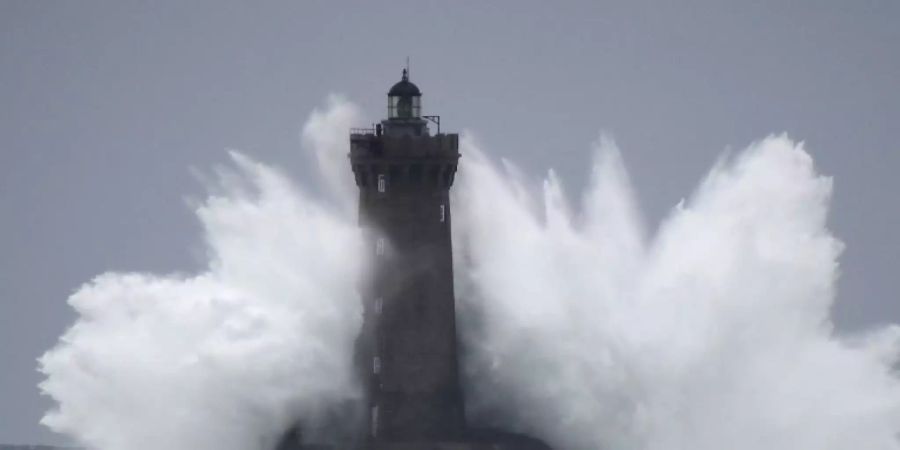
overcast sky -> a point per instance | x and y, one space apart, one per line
105 107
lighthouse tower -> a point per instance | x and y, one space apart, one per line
406 353
407 349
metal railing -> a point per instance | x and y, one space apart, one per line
362 131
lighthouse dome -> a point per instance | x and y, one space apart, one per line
404 88
404 100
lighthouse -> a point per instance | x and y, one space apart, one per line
407 350
406 353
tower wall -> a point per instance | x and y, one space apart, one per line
407 350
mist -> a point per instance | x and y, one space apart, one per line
714 333
578 326
228 358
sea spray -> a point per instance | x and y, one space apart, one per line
713 334
576 326
228 358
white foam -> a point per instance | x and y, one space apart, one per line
577 327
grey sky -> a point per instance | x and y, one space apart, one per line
104 106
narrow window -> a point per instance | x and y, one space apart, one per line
376 365
381 183
374 421
443 213
379 303
379 247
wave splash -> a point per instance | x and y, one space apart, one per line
577 327
714 333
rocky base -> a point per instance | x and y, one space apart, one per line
476 439
513 443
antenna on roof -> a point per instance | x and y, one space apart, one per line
407 65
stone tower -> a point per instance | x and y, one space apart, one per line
407 350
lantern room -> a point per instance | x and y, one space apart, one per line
404 100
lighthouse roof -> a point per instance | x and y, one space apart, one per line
405 88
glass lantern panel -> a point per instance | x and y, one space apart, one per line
404 107
392 107
416 106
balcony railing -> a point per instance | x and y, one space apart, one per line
362 131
